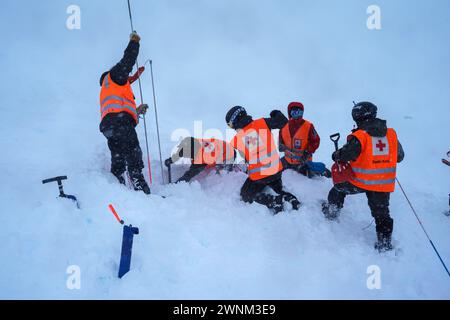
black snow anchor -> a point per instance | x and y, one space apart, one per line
61 190
169 170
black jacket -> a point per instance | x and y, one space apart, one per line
277 120
120 72
352 149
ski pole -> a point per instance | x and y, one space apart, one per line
142 101
423 228
157 122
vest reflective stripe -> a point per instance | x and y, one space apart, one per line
293 153
265 167
376 166
117 106
373 182
374 171
263 158
112 97
257 144
116 99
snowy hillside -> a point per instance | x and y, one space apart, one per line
201 241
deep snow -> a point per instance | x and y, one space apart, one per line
201 241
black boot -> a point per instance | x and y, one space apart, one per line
384 242
139 183
330 211
277 204
292 200
119 177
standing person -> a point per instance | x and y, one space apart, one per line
298 139
373 152
119 117
203 153
255 142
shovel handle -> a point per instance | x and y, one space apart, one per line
335 138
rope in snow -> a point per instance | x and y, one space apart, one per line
423 228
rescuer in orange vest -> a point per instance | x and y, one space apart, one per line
373 152
203 153
298 139
256 144
119 117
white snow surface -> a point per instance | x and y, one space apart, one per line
201 241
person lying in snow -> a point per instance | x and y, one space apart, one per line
202 153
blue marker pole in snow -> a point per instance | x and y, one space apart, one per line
423 228
127 245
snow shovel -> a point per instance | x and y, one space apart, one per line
61 190
340 171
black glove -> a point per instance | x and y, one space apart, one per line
335 156
275 113
168 161
305 156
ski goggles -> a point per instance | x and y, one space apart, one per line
234 117
296 113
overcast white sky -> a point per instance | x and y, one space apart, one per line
211 55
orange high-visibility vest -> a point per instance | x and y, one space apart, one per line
115 98
257 144
214 151
295 146
375 168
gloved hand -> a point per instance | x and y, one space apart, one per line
142 109
275 113
135 37
168 161
335 156
305 156
136 76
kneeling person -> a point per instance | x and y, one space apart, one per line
255 142
298 139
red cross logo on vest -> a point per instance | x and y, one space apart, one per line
380 146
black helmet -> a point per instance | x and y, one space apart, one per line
234 115
364 110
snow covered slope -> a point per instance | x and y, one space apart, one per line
201 241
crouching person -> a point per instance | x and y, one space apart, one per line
373 152
202 153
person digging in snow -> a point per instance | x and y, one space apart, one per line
298 139
256 144
203 153
373 151
119 117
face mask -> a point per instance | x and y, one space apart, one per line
296 113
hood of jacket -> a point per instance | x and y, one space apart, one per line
374 127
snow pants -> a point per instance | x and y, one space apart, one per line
254 191
378 204
119 130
